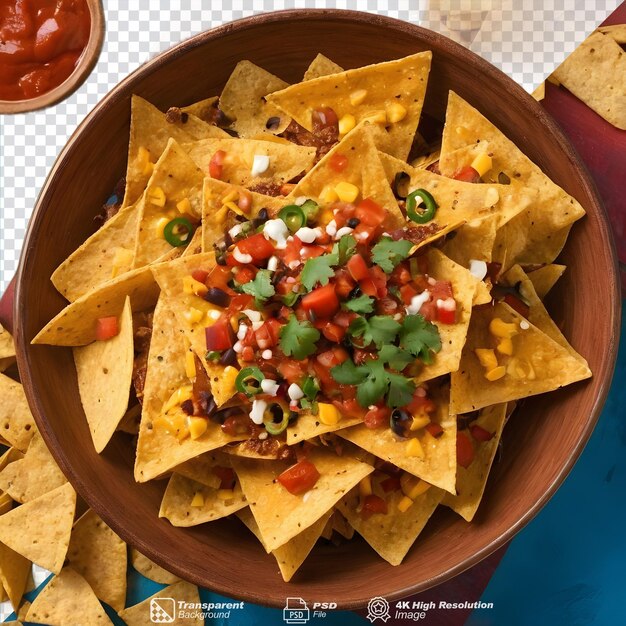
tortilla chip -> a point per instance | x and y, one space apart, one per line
21 614
281 515
7 349
203 109
104 370
615 31
545 278
537 234
200 469
40 529
286 161
158 450
214 503
308 426
75 325
472 241
34 475
596 74
130 422
321 66
391 534
99 556
243 100
14 572
471 481
16 422
140 614
292 554
6 504
437 466
150 130
150 569
401 82
538 364
67 599
10 456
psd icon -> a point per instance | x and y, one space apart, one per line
296 611
162 610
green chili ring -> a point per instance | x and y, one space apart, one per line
272 427
430 206
293 216
246 379
172 233
311 210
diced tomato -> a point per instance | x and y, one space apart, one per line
299 478
365 234
464 450
216 164
323 301
446 317
391 484
322 373
368 287
106 328
332 357
342 211
310 252
201 275
380 280
441 290
219 336
236 425
247 354
357 267
360 355
386 306
218 277
370 213
245 274
434 429
517 305
377 417
480 434
333 332
338 162
323 118
292 371
257 247
349 407
268 334
407 292
467 174
344 318
240 302
226 476
400 275
373 505
421 403
343 283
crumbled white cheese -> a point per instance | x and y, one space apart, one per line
346 230
293 264
278 231
241 333
214 314
294 392
267 354
269 386
252 315
524 325
478 269
238 347
449 304
331 228
272 263
258 409
256 325
417 301
260 163
300 200
240 257
263 435
235 230
306 234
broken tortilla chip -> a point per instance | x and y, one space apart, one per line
7 349
544 278
17 424
14 572
150 569
321 66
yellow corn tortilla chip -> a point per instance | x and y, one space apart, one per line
6 503
99 556
34 475
471 481
472 241
390 87
150 569
130 422
538 364
10 456
249 450
308 426
150 130
180 180
104 370
391 534
67 599
200 469
16 422
7 349
14 572
21 614
177 504
108 253
596 73
292 554
615 31
321 66
203 109
75 325
243 100
438 464
544 278
281 515
286 161
40 529
180 592
537 234
158 450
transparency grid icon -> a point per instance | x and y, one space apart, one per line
163 610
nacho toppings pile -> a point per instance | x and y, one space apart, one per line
315 308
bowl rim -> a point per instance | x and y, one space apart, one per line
428 38
86 62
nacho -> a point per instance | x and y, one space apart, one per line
200 469
544 278
473 241
203 109
308 425
14 573
150 569
321 66
16 422
7 349
615 31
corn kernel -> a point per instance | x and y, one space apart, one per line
412 486
405 504
143 157
225 494
395 112
414 448
346 124
328 195
178 397
190 364
198 499
156 196
375 117
328 414
228 380
500 328
184 206
419 421
347 192
482 163
197 426
365 486
193 315
357 97
173 424
159 227
193 286
231 206
122 260
487 358
496 373
505 346
220 215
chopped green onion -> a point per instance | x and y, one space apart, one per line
248 380
271 426
310 387
293 216
430 206
178 232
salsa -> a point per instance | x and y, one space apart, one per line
40 44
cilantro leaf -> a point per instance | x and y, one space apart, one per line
397 358
401 390
420 338
261 287
290 299
348 373
387 253
374 387
362 304
378 329
297 339
318 270
344 249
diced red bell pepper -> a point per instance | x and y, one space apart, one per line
446 317
370 213
257 247
338 162
216 164
373 505
480 434
333 332
357 267
106 328
219 336
464 450
467 174
299 478
226 476
323 301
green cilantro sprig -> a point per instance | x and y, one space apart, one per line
388 254
261 287
420 338
378 329
319 269
298 339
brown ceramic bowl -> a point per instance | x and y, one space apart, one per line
83 68
541 442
